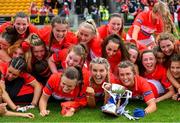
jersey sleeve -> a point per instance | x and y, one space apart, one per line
28 78
139 20
146 90
48 88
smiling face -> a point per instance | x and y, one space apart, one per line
115 25
149 61
175 69
39 52
60 31
99 73
167 47
85 35
126 76
21 25
111 48
67 85
73 59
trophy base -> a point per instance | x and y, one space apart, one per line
110 113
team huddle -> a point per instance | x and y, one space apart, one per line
52 62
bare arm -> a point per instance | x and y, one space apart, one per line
151 106
135 32
6 98
18 114
52 65
167 95
37 91
43 105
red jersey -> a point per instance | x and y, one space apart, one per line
76 98
114 61
31 28
147 27
159 74
142 88
26 88
45 34
103 32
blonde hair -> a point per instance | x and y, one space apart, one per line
162 8
100 60
90 24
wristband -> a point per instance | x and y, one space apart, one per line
138 112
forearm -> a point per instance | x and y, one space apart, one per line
151 107
10 113
42 104
91 101
8 100
52 66
135 32
37 94
168 95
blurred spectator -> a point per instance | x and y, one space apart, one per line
65 12
33 8
125 10
43 10
105 15
178 12
171 8
86 14
95 14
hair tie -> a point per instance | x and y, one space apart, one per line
25 46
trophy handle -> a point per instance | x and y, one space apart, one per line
103 86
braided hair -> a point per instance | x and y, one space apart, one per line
18 63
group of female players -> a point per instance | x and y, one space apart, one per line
52 62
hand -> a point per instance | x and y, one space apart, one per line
138 112
67 112
28 115
90 91
44 113
3 108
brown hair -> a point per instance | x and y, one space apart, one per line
125 64
80 51
27 55
122 19
115 39
58 20
166 36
